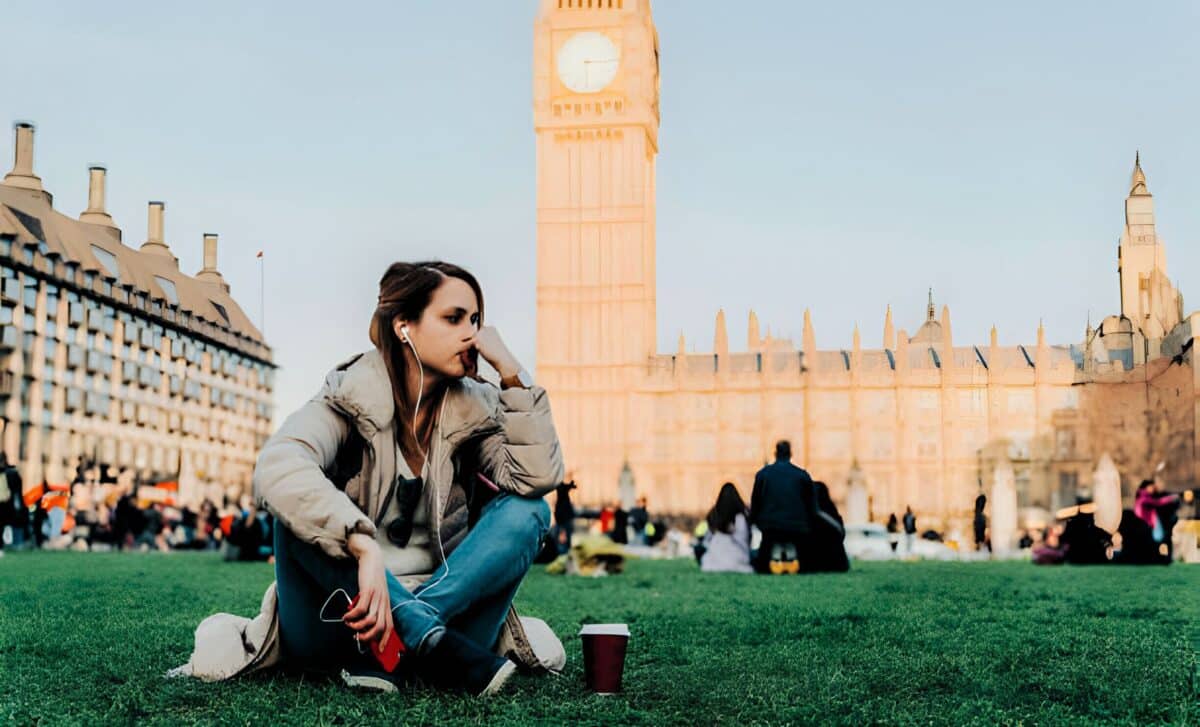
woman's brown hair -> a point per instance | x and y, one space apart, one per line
729 505
404 292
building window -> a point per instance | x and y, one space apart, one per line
225 314
108 260
1068 486
1064 443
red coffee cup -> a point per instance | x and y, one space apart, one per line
604 656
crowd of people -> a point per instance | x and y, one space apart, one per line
798 526
801 529
103 511
1143 536
790 525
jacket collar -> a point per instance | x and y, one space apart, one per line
361 389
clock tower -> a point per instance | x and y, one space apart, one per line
596 116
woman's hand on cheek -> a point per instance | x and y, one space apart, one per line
493 350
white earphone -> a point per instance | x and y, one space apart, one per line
424 456
420 390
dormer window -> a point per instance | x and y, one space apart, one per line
221 309
108 260
168 287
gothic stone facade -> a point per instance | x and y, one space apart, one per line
924 418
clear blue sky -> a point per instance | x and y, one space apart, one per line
838 156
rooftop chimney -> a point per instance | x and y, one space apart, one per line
209 273
155 244
95 212
22 172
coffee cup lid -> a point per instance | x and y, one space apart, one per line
604 630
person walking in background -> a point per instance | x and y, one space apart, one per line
781 507
620 525
910 530
979 523
893 529
607 514
727 536
639 517
564 514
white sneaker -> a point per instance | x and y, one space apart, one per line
501 676
373 681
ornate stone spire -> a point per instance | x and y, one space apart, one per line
809 341
929 310
889 330
856 348
1041 355
753 342
1137 183
721 337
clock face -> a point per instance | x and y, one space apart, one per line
588 62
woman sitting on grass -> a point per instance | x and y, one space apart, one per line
413 488
727 547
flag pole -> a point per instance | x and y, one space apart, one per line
262 295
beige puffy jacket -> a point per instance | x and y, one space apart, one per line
517 447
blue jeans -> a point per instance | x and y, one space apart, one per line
481 578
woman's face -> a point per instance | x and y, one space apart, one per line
444 337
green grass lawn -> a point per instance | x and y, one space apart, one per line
85 638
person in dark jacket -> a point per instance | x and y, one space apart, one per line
1085 542
564 511
829 548
620 528
639 518
910 530
1137 542
781 506
980 523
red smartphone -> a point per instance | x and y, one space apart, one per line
389 656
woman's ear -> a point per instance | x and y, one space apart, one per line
400 328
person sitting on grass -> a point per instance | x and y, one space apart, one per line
829 538
781 507
726 540
413 489
1137 542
